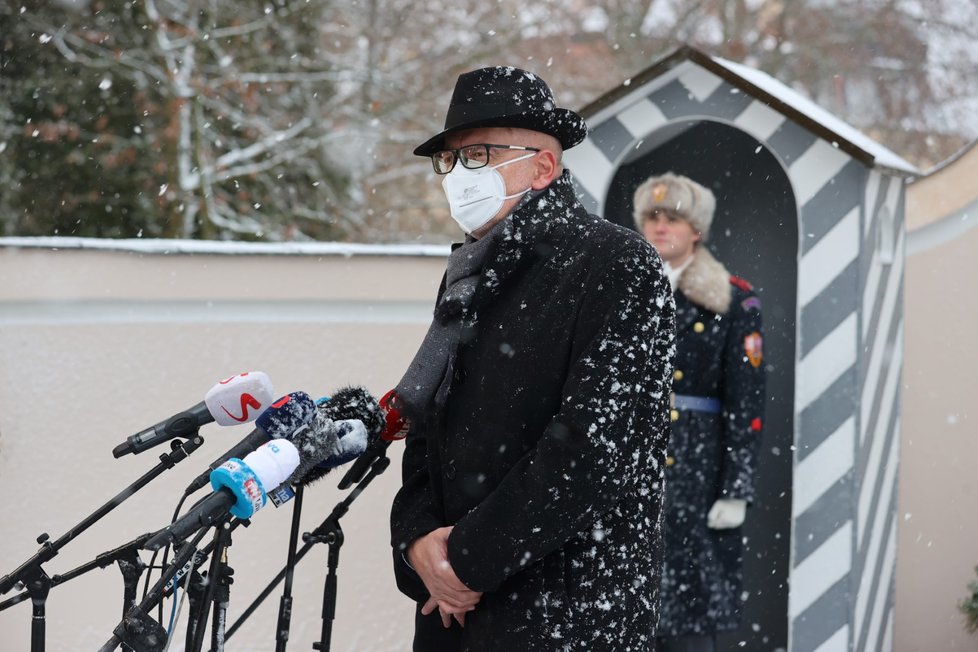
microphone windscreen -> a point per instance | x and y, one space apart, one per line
355 402
315 443
240 398
286 415
273 462
397 425
348 442
351 442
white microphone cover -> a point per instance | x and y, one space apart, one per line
351 438
240 398
273 462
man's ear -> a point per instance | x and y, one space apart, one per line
546 169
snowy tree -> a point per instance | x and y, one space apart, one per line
295 119
225 101
900 70
71 153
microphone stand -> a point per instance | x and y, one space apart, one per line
137 629
31 574
332 536
130 565
217 592
329 532
194 585
285 604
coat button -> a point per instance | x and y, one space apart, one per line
670 460
674 415
699 327
450 471
677 374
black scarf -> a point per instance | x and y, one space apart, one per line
427 377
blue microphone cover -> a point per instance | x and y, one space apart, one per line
286 415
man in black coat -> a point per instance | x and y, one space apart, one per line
529 516
716 419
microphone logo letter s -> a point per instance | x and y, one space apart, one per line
247 400
240 398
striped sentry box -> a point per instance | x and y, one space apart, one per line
849 194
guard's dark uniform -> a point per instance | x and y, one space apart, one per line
716 429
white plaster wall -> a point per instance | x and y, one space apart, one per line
937 547
95 346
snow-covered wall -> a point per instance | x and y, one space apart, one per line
97 344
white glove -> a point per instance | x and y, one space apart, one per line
727 513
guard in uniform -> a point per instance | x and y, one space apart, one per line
718 387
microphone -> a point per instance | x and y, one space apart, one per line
326 445
354 402
319 446
235 400
393 426
239 489
281 419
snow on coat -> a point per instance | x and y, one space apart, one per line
548 458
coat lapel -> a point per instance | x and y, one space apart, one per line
527 235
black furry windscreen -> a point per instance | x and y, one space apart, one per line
354 402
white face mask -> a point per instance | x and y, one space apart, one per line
475 196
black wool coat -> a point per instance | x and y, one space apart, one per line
548 457
710 455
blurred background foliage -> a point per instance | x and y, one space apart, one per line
273 120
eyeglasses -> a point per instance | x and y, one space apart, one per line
473 157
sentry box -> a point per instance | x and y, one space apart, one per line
810 211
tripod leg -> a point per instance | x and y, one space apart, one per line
37 628
222 539
222 597
335 541
194 586
38 587
132 567
285 604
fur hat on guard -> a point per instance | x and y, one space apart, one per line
503 96
676 194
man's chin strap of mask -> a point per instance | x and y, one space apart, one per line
521 192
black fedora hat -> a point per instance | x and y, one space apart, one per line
503 96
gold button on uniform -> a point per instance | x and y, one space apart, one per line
677 374
699 327
674 415
670 460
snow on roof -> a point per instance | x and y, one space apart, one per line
153 246
881 155
763 88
